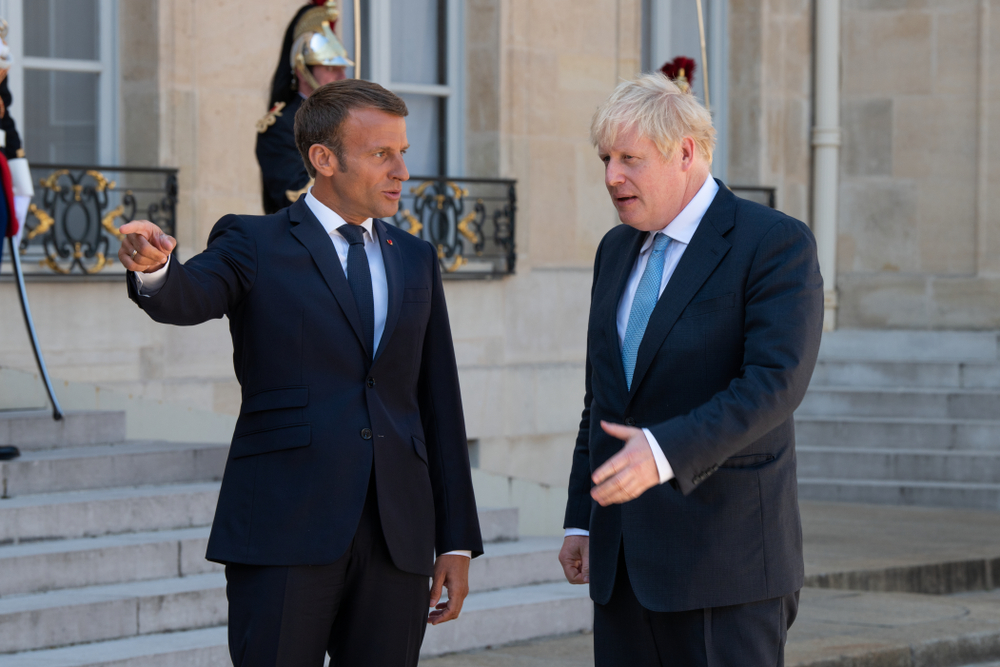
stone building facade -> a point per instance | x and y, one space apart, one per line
918 242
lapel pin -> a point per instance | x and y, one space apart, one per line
389 241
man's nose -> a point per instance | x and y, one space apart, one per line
399 170
613 175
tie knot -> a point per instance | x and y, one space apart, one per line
355 234
660 242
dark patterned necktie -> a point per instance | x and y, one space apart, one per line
359 277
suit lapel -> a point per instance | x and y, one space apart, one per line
393 262
609 308
707 248
310 233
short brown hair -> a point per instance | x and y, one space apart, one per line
321 117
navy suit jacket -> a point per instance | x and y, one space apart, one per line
318 412
725 360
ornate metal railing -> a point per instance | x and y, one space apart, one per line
72 223
469 220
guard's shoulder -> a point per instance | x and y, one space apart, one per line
271 117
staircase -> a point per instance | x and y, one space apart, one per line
102 555
908 418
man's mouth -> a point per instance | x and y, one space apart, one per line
625 200
392 194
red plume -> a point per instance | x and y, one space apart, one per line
319 3
672 69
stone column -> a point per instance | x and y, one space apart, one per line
826 150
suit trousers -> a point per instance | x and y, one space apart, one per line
746 635
362 610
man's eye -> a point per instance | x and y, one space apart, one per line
380 154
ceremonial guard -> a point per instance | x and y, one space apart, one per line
311 55
15 177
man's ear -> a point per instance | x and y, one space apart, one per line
688 152
323 160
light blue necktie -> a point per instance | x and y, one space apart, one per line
646 295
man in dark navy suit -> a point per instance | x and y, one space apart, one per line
705 321
349 466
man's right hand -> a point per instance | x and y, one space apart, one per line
575 559
145 247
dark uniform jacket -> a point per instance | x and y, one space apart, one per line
318 412
725 360
281 166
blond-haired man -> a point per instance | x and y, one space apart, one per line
704 328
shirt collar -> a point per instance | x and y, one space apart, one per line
683 227
330 219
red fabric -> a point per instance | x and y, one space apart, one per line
13 225
672 69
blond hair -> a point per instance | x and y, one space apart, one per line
654 105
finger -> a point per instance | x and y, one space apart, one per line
618 430
145 250
143 227
436 587
445 612
611 467
164 243
616 489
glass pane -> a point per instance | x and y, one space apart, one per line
416 41
60 110
61 29
423 130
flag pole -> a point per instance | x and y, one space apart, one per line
26 309
704 53
357 39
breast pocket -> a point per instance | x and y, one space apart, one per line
709 305
416 295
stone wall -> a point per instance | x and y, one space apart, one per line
919 232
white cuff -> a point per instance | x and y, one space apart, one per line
150 283
20 177
577 531
662 465
460 552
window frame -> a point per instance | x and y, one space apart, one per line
379 34
106 67
657 49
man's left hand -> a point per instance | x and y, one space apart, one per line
451 572
629 473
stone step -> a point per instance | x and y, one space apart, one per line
35 429
899 464
902 492
902 345
909 402
193 648
108 466
490 618
971 375
115 611
498 524
35 567
95 512
904 432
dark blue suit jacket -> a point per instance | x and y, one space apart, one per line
725 360
317 411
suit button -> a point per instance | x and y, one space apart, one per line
629 421
371 382
366 434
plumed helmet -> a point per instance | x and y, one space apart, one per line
315 42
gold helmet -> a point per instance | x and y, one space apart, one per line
315 43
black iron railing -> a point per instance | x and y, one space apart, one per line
469 220
72 223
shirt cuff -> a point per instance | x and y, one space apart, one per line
577 531
460 552
662 465
150 283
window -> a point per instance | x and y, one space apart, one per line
670 29
64 79
413 48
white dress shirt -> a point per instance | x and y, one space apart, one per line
680 230
150 283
